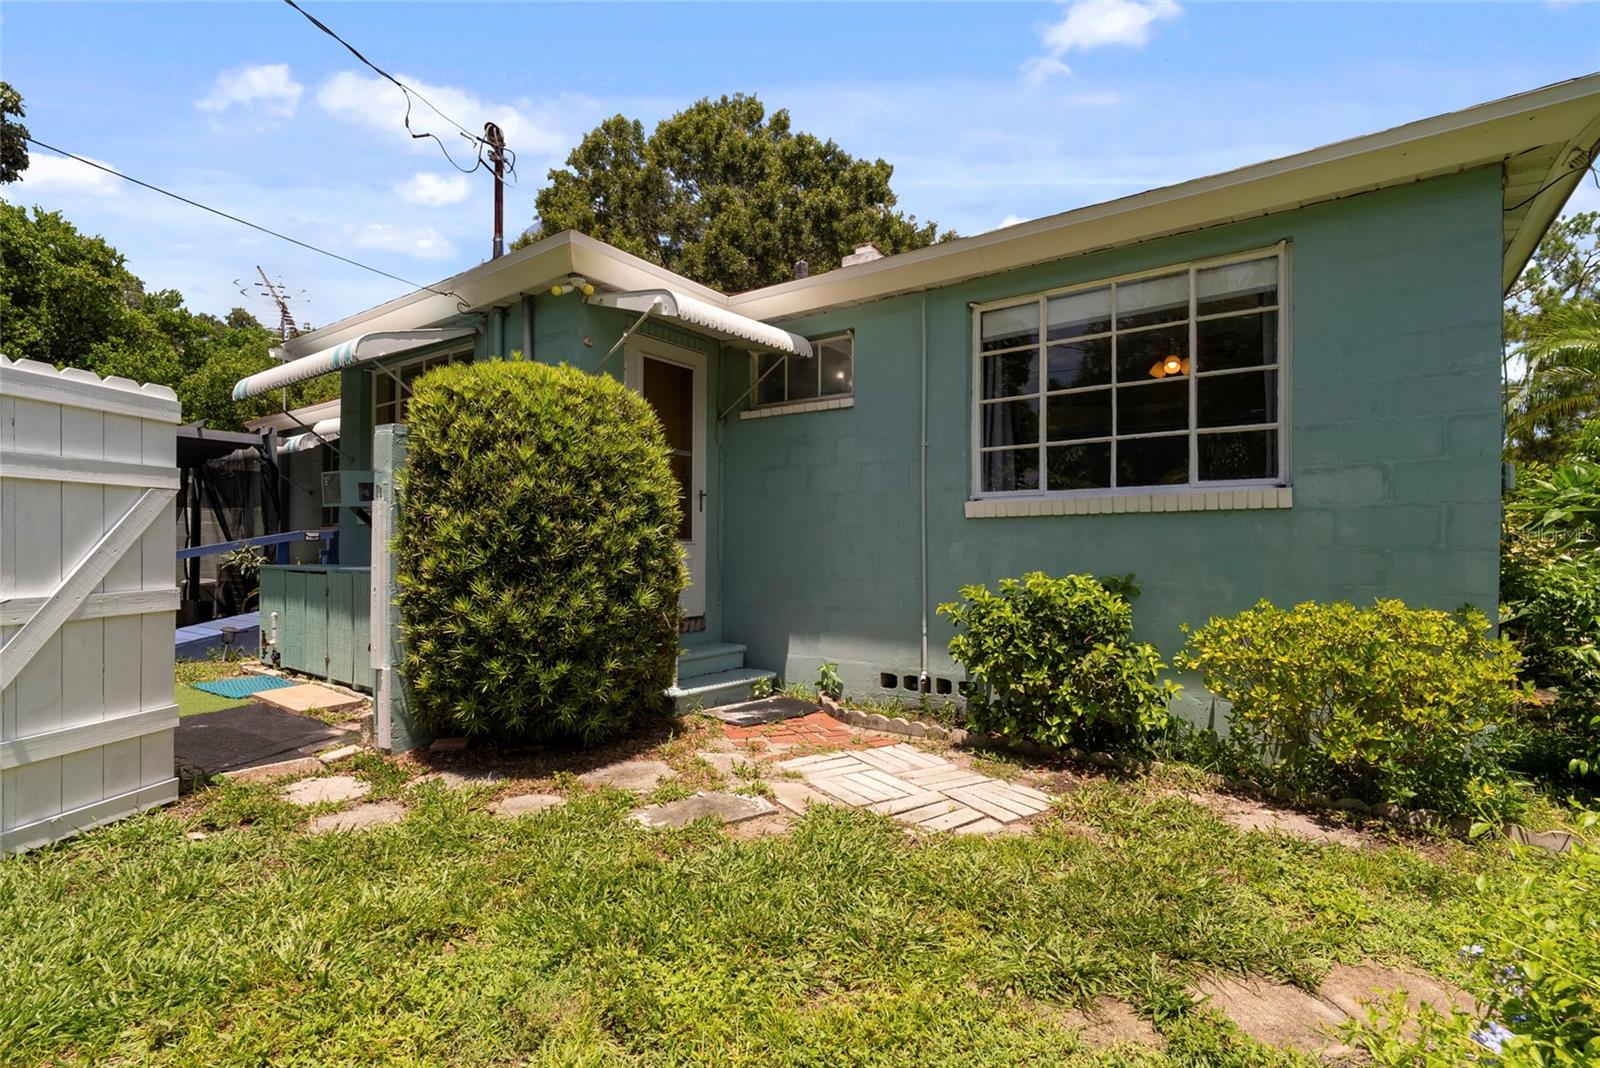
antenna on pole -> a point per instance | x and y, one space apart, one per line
497 156
286 324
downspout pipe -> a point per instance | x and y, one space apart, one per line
497 333
922 500
527 327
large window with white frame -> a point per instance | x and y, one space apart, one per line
829 372
390 398
1168 379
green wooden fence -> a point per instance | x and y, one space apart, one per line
322 625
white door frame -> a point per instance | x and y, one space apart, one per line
692 602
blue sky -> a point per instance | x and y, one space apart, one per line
990 113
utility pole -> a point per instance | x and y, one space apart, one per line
497 156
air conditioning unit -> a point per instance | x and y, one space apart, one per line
333 495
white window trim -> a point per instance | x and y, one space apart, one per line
1119 499
822 401
384 371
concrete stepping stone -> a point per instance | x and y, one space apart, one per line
508 808
1276 1014
307 697
460 780
324 790
360 818
724 808
795 796
1351 988
1111 1022
629 775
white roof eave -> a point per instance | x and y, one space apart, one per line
740 330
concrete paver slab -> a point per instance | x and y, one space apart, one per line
629 775
324 790
359 818
308 696
524 805
1276 1014
724 808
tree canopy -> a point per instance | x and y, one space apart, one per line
1552 331
726 194
68 299
13 135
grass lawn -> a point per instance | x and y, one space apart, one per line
193 702
576 937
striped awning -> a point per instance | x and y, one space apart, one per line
356 350
323 431
707 319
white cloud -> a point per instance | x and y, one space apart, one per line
422 242
268 88
1010 220
433 190
1091 24
47 171
375 103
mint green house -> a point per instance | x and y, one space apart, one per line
1282 381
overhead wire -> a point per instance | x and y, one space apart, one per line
242 222
480 143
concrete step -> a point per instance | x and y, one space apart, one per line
718 688
708 658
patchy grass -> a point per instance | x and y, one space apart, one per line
575 937
193 702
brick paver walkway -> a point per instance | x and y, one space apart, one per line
818 728
919 789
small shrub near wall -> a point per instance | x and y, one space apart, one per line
1052 660
1387 703
538 561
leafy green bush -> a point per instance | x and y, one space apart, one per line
1383 703
1053 660
1536 975
1550 587
538 564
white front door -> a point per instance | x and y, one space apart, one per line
673 380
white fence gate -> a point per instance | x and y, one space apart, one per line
87 600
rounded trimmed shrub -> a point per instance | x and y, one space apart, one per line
1053 660
1387 703
537 554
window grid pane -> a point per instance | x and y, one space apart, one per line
828 373
1071 383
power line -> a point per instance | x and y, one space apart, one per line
480 143
242 222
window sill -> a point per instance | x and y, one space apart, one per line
827 405
1198 500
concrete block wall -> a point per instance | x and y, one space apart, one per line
1394 451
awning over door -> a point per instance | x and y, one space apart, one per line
707 319
356 350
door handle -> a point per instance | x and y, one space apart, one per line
702 500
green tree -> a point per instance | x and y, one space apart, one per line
1560 391
13 135
1552 342
726 194
68 299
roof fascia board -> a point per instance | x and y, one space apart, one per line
1432 147
526 270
